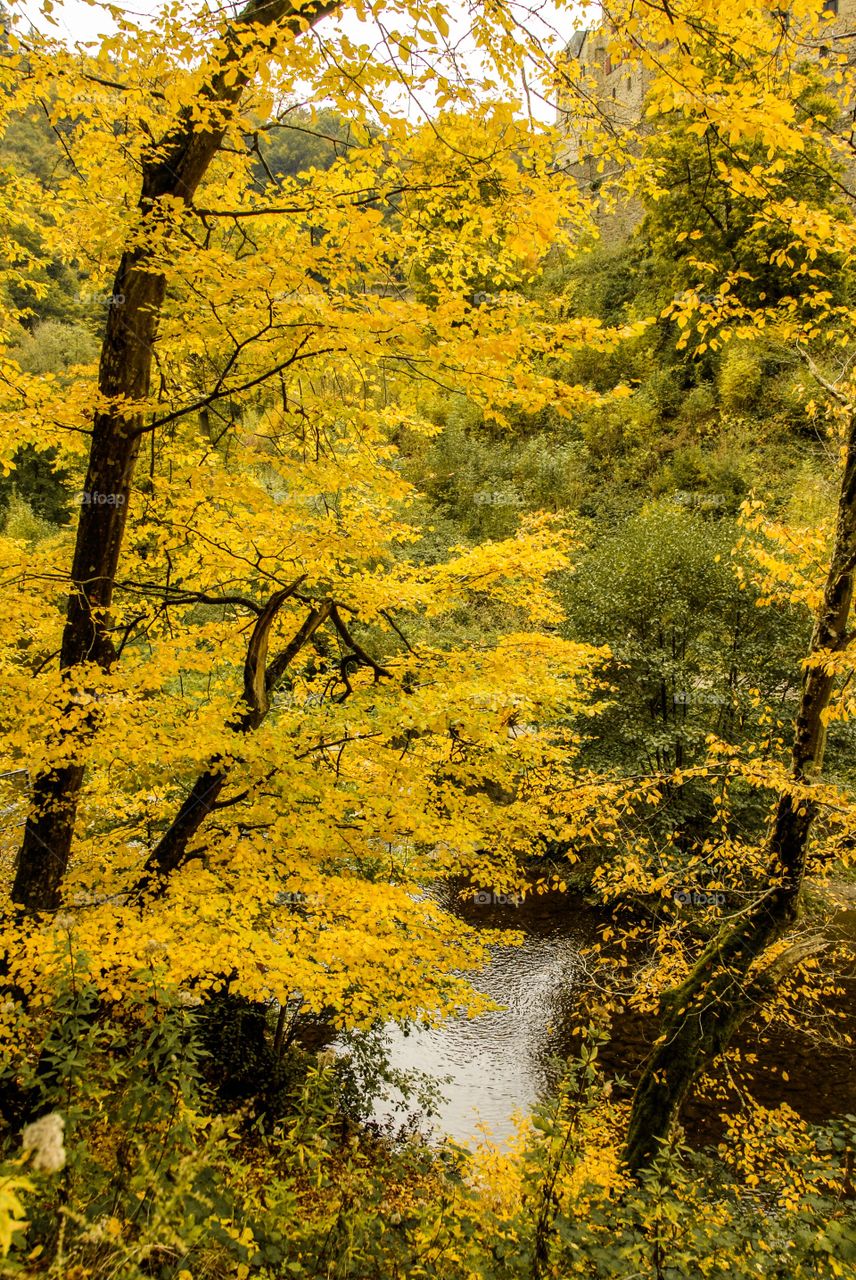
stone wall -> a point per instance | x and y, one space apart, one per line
620 89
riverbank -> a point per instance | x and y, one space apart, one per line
493 1068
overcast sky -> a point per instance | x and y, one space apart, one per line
80 22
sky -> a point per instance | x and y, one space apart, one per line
84 21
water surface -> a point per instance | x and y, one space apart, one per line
492 1067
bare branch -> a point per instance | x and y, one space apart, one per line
828 386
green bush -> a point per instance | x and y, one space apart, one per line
688 641
145 1180
54 347
740 376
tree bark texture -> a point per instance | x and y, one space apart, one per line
174 169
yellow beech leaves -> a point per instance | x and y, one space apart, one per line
310 319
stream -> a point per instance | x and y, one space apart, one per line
495 1066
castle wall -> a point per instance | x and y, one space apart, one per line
620 90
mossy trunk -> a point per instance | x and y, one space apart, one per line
735 975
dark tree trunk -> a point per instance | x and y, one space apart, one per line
174 169
731 978
125 371
260 681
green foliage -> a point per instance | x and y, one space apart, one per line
697 206
156 1185
740 376
54 346
138 1192
22 521
298 141
482 481
716 423
689 644
35 495
29 146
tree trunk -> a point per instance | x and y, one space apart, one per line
700 1017
174 169
260 681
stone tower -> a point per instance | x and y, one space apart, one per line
620 88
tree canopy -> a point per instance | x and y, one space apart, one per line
374 524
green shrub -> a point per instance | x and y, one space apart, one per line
740 376
54 346
22 523
152 1183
